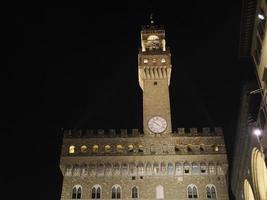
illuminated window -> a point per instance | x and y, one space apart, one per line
107 148
68 170
84 169
116 192
130 148
148 169
72 149
76 192
96 192
159 192
145 60
83 148
140 169
215 148
95 148
119 148
163 60
134 192
140 148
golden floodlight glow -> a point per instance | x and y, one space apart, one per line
260 16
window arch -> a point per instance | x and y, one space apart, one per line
84 169
124 169
96 192
170 169
195 168
192 192
100 169
71 149
178 168
186 168
148 169
108 169
211 192
76 192
83 148
68 170
211 168
119 148
156 168
159 192
203 168
107 148
135 193
132 168
140 168
95 148
130 148
116 192
76 170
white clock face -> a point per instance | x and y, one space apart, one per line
157 124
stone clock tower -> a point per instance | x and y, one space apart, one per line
154 70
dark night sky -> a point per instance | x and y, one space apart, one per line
77 67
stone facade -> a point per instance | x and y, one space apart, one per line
158 163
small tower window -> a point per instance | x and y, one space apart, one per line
72 149
215 148
145 60
130 148
95 148
107 148
119 148
83 148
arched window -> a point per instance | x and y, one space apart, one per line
108 169
170 169
124 169
152 149
203 168
71 149
130 148
140 149
211 192
134 192
159 192
149 169
116 192
163 168
116 169
76 170
140 169
195 168
96 192
100 169
76 192
132 168
68 170
211 168
92 169
95 148
83 148
178 168
186 168
192 192
119 148
84 170
156 168
107 148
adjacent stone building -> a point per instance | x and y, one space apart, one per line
158 163
249 172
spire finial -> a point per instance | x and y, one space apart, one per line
151 19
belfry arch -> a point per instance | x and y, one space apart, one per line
259 173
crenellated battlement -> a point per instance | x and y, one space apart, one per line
125 133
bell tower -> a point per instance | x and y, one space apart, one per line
154 71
